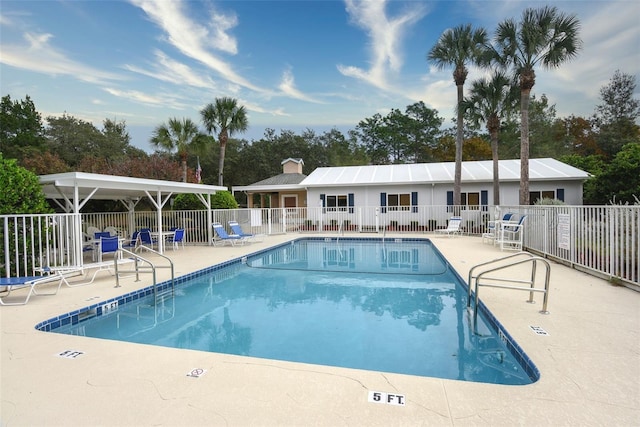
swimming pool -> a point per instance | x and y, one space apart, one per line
390 306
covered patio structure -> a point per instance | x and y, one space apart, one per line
71 191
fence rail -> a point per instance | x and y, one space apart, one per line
601 239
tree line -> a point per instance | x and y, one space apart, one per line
607 144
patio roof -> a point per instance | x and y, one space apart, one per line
72 190
111 187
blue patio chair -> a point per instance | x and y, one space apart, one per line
236 229
133 243
108 245
100 234
511 234
222 237
94 245
493 227
145 239
177 239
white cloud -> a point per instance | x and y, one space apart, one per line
223 41
192 39
40 56
288 87
172 71
385 38
146 99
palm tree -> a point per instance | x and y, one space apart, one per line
490 101
543 37
225 116
458 47
180 135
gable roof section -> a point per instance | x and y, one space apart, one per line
291 159
284 181
436 173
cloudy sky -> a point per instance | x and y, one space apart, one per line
294 65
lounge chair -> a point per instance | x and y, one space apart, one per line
10 284
97 267
108 245
453 227
222 237
236 229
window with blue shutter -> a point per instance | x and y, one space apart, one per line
351 198
484 199
560 194
322 200
449 201
414 201
383 202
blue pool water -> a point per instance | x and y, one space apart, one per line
391 306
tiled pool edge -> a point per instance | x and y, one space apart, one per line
514 348
95 310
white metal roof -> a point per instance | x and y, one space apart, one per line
421 173
73 189
111 187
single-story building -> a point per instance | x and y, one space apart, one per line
283 190
406 186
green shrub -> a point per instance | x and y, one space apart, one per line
21 192
548 202
187 202
223 200
219 200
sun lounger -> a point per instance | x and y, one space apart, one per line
222 237
453 227
236 229
10 284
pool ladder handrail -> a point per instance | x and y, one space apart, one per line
530 258
151 267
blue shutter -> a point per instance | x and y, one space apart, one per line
350 198
322 199
414 201
449 201
560 194
383 202
484 199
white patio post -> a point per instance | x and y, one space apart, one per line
77 232
159 222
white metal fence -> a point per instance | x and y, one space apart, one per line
601 239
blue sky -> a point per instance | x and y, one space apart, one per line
293 64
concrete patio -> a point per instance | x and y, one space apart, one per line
589 364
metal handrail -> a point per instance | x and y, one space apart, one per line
471 277
152 267
532 259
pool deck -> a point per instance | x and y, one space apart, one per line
589 364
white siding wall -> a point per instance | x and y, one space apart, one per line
436 194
